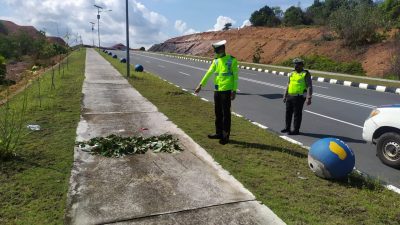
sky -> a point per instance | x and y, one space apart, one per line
151 21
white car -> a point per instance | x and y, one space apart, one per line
382 128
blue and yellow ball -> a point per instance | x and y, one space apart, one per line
331 158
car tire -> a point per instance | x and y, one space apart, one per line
388 149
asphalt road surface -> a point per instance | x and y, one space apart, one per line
337 111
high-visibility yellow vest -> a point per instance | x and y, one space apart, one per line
226 74
297 84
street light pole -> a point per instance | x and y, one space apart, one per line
92 32
128 62
98 22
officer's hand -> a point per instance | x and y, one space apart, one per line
308 101
198 89
284 100
233 95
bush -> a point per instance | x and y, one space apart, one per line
358 24
3 69
323 63
142 49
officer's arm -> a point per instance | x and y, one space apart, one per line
287 88
309 85
235 71
208 74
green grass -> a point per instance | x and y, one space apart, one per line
387 82
34 184
322 63
270 167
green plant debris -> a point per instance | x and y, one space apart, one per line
117 146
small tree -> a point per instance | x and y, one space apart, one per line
358 24
264 17
294 16
278 12
142 49
395 70
257 53
227 26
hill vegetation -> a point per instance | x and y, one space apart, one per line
26 44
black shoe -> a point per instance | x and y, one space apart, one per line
224 141
295 132
214 136
285 130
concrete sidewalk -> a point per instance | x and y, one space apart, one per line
184 188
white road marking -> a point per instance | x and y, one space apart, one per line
237 114
331 118
291 140
184 74
260 125
320 86
249 73
272 85
393 188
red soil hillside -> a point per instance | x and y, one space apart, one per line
13 28
280 44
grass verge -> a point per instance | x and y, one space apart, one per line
34 184
360 79
276 171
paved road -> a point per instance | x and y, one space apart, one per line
337 111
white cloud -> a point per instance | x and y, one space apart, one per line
190 31
181 26
221 21
75 15
246 23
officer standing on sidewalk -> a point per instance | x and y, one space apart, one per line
298 91
226 82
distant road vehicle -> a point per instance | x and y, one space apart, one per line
382 128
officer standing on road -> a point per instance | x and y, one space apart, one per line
226 82
298 91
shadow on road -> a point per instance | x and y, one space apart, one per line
345 139
244 144
268 96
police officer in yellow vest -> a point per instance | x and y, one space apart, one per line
298 91
225 69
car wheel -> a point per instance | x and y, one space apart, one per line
388 149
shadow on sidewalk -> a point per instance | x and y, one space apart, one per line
244 144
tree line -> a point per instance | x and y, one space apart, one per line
356 21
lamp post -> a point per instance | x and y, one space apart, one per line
99 10
92 32
128 62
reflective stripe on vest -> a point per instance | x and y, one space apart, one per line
297 83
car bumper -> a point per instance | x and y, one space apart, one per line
369 129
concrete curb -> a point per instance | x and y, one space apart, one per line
287 138
377 88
